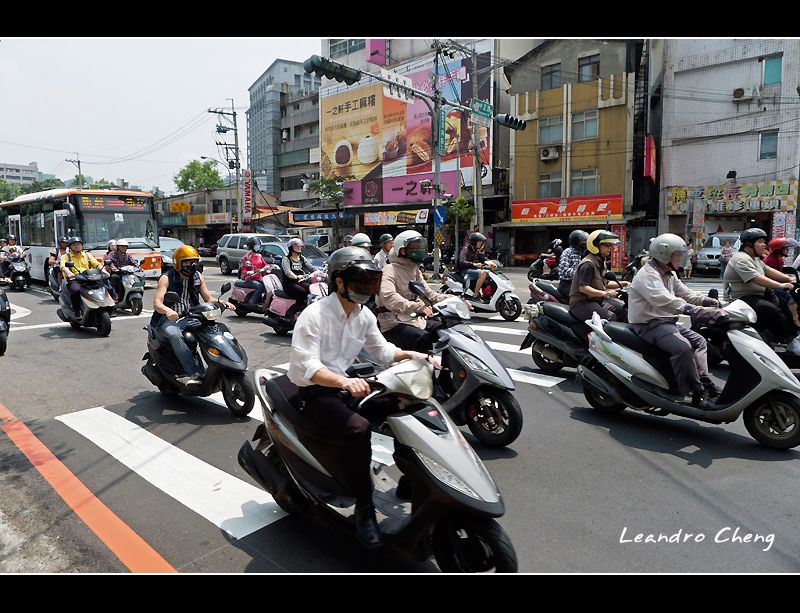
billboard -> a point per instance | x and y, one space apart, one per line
742 198
607 207
379 141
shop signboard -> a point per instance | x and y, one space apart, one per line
744 198
606 207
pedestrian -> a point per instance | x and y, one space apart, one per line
691 260
724 257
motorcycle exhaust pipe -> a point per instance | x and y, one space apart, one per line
152 373
547 352
587 376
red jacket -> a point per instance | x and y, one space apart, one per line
775 260
258 263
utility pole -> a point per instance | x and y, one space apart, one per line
477 179
78 164
437 157
221 129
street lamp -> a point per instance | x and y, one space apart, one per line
230 199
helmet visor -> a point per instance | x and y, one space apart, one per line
362 283
417 249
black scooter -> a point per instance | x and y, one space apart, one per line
5 320
19 270
226 358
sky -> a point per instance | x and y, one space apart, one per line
133 108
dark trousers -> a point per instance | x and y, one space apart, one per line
565 286
686 347
584 310
172 332
412 338
74 291
298 291
258 294
323 406
772 318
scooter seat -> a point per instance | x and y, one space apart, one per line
286 395
624 335
281 294
552 290
560 312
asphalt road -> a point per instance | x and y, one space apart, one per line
578 486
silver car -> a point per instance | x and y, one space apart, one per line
231 249
708 256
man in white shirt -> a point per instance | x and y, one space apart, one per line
386 242
327 337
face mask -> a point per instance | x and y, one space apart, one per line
188 269
416 255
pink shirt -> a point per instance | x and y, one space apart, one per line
258 263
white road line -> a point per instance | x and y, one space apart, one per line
63 324
229 503
499 330
507 348
18 312
522 376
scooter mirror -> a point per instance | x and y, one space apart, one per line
225 288
171 298
200 267
610 276
415 287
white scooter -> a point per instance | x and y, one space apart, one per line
498 290
627 372
132 279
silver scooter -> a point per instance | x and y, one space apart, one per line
96 305
627 372
435 497
132 279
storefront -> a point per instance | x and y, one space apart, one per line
696 212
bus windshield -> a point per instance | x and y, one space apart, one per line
103 226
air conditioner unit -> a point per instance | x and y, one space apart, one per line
744 93
549 153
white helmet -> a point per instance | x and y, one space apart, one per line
361 240
404 238
664 246
122 243
112 243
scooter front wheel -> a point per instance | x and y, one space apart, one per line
104 323
531 275
136 305
510 308
238 393
75 325
464 544
774 420
494 417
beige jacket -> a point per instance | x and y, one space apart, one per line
395 296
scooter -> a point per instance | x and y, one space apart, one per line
96 305
627 372
19 270
226 358
242 295
498 289
284 310
5 320
543 291
132 280
436 497
536 270
54 279
472 386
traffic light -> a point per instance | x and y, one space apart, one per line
323 67
509 121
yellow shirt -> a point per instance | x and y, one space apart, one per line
83 261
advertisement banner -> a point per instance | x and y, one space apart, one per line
179 207
370 137
396 218
247 201
401 189
743 198
778 225
212 218
578 208
619 250
196 220
650 158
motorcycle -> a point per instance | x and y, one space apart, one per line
633 266
542 291
242 295
5 320
284 310
497 289
19 270
472 386
536 270
225 357
627 372
132 281
96 305
437 498
54 279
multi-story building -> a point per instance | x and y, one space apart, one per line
729 155
283 131
17 174
579 163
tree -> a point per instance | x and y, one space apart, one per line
8 191
460 210
331 191
198 175
40 186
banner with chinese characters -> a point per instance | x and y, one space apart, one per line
247 200
619 250
179 207
396 190
744 198
578 208
396 218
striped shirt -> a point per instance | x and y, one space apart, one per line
570 258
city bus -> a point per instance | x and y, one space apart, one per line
94 215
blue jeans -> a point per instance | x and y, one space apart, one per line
172 331
722 266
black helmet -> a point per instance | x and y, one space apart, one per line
11 237
749 237
475 237
384 238
252 243
555 243
63 239
361 276
74 239
576 237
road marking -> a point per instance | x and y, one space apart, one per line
523 376
499 330
229 503
128 546
63 324
17 312
506 347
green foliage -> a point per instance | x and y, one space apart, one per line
198 175
330 191
460 210
8 191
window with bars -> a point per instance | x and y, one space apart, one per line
550 185
550 129
588 68
769 145
584 125
583 182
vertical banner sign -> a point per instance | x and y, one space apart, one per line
247 201
618 250
778 225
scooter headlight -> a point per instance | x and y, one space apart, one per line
473 362
211 315
445 476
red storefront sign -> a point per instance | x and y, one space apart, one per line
650 158
607 207
619 250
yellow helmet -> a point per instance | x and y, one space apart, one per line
184 252
600 237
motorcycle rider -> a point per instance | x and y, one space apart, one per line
655 298
186 281
399 310
8 250
296 271
82 261
327 337
60 249
119 258
347 241
3 257
569 260
362 240
254 276
470 262
748 278
386 243
589 286
779 249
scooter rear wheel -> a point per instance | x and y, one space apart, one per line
531 275
542 363
774 420
75 325
240 312
464 544
600 401
3 342
494 417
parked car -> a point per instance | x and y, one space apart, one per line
168 245
276 250
708 256
231 249
208 252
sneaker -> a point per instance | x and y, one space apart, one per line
711 387
794 345
700 400
189 380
